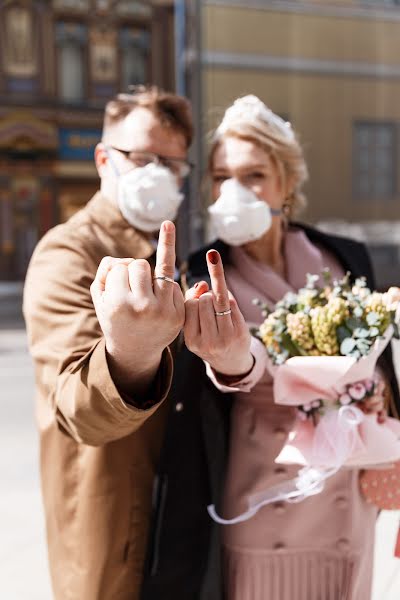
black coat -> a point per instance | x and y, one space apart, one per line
183 561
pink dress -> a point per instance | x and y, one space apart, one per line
320 548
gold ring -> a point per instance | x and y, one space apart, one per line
222 313
164 278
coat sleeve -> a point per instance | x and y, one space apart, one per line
68 348
246 383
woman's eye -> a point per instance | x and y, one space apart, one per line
257 175
218 179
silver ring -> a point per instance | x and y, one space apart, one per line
223 313
164 278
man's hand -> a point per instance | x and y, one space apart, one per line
223 340
139 316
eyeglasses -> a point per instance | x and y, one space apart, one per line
178 166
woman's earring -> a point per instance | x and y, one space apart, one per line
286 209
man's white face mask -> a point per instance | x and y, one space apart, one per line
238 216
147 196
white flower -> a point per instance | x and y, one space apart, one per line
357 391
391 298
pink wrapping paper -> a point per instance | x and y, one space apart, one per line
345 436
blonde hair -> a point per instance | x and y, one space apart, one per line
172 110
249 119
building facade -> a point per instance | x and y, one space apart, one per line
60 61
333 69
330 67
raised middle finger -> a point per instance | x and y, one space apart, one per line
219 290
165 260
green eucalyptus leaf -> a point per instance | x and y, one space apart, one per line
353 323
373 318
347 346
363 346
342 333
291 347
358 312
374 332
361 332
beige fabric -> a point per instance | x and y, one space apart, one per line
98 454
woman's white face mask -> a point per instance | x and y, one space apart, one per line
239 216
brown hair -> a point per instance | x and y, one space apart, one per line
286 153
172 110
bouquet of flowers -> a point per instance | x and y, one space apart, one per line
323 344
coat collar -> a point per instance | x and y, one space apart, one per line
350 254
107 216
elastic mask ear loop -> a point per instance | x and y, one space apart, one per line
276 212
112 163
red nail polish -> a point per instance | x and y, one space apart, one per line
213 257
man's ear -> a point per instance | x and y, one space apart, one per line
101 159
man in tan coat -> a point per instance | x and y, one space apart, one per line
102 379
102 310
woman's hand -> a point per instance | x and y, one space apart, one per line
215 329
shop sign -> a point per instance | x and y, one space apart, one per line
78 144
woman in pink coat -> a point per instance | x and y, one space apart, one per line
322 547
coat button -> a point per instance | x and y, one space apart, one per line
280 433
279 508
279 547
280 471
341 502
179 407
343 544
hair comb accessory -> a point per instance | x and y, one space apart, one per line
250 108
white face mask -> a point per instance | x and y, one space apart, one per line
148 195
238 216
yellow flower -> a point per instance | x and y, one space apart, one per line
324 330
267 331
337 311
307 298
376 303
299 329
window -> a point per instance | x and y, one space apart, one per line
19 49
76 5
135 50
71 40
374 160
103 61
130 8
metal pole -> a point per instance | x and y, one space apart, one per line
188 83
180 46
196 77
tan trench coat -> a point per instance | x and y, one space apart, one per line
98 453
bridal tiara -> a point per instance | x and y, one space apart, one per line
250 108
